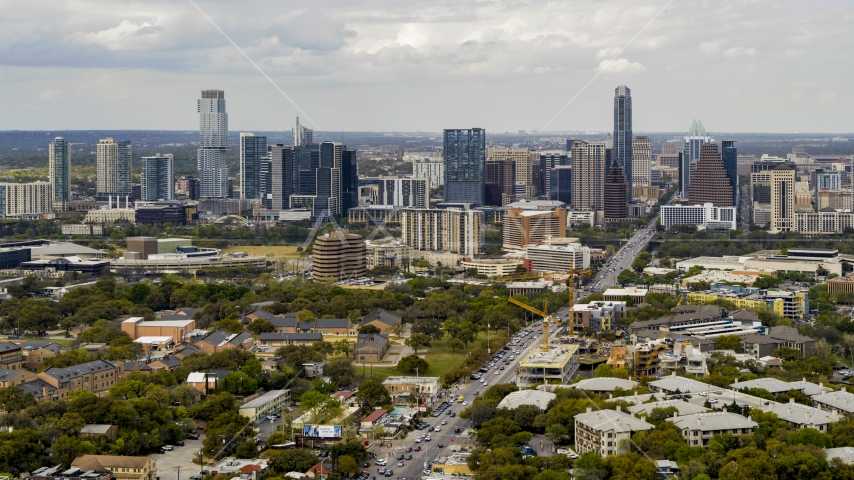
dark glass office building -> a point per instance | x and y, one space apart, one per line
465 165
622 149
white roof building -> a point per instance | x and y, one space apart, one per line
801 416
846 454
840 402
605 384
672 383
684 408
775 386
537 398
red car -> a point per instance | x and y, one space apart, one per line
418 448
200 427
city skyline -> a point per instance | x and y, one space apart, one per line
340 65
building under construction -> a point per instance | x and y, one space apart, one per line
556 365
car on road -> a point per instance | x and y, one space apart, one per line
399 464
418 448
440 445
200 427
497 372
436 428
408 449
381 471
444 422
196 477
168 448
713 400
562 451
400 457
409 457
381 462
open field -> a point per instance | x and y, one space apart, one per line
277 251
439 356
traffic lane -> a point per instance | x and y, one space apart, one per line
430 451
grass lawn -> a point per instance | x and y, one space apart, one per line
263 251
439 356
62 341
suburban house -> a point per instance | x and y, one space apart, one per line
96 376
35 353
167 363
370 347
122 467
381 319
15 377
10 356
220 340
276 340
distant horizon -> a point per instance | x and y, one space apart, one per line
437 132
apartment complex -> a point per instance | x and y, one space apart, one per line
338 256
434 172
403 192
453 230
96 376
698 428
26 199
641 160
606 431
524 228
59 164
158 177
464 153
113 168
588 168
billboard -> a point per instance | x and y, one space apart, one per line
323 431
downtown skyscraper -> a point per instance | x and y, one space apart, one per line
692 147
59 159
465 165
158 177
623 138
213 145
113 168
253 152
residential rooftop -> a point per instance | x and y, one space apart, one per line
713 421
616 420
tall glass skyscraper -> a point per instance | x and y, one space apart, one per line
158 177
59 158
213 145
465 165
622 149
253 150
730 157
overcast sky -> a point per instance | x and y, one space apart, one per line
406 65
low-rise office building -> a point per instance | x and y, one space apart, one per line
494 267
267 404
636 294
705 216
606 431
558 365
338 256
402 389
558 258
177 329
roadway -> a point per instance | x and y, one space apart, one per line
622 259
430 451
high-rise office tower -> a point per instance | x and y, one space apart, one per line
302 135
59 159
213 145
730 157
709 182
541 171
615 192
588 175
465 165
822 180
253 150
692 146
158 179
622 149
641 159
560 184
306 163
523 159
502 173
328 179
782 198
282 176
350 181
113 168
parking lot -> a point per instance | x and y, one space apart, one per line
168 462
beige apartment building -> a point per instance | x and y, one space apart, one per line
26 198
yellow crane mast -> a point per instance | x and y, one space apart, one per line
544 313
661 343
572 275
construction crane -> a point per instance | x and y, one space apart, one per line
572 275
661 343
544 313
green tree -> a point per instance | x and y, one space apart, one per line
16 399
67 448
324 348
252 368
591 466
631 466
347 465
341 371
626 277
294 460
418 341
456 343
372 393
411 363
369 329
239 383
729 342
748 462
260 325
306 316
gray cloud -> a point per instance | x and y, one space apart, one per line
421 65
